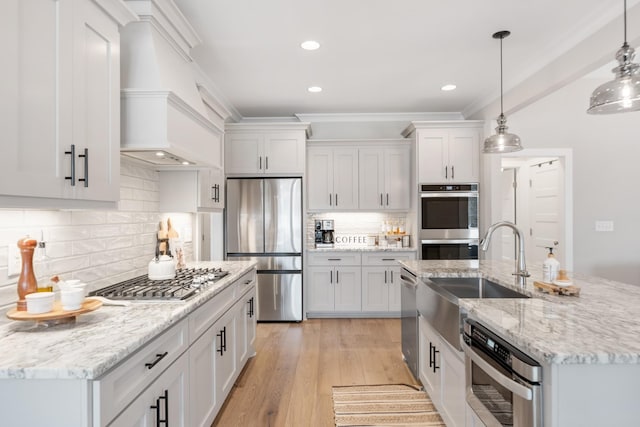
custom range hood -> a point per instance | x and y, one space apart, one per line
167 118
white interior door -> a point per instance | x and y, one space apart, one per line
508 238
546 203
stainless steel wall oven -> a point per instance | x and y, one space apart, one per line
503 385
449 221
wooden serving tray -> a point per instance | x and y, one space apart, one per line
552 289
58 313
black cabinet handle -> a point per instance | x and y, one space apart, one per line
86 167
435 352
159 357
331 276
388 259
260 167
446 176
72 153
381 199
336 199
452 173
334 259
431 347
387 199
223 340
337 276
160 421
385 276
250 302
391 276
330 200
266 162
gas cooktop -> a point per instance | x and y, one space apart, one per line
187 283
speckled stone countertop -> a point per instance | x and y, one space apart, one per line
601 326
362 249
98 340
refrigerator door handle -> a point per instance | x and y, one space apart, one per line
275 296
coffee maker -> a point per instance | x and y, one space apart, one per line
324 233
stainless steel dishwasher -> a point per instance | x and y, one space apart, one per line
409 320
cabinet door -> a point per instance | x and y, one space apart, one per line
217 186
35 131
204 400
96 103
348 289
226 359
371 178
246 325
243 153
432 156
320 295
205 188
284 153
375 288
397 178
319 178
345 178
394 289
167 396
464 146
429 363
453 387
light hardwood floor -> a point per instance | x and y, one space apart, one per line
288 383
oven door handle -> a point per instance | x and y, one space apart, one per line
449 241
447 194
508 383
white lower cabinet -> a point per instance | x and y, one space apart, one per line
335 289
441 371
164 402
354 283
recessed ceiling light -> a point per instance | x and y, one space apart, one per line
185 163
314 89
310 45
160 154
448 87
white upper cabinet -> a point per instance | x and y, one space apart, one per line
191 190
385 175
60 104
447 151
272 149
332 178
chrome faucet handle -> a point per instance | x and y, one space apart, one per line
524 273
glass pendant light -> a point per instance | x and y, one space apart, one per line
502 141
623 92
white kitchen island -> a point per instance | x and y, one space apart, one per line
132 365
588 346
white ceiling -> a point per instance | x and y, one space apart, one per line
382 56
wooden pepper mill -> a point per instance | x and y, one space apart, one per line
27 283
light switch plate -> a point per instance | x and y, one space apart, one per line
13 261
604 225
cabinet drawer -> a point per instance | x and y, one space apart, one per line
120 386
247 281
386 258
334 258
201 319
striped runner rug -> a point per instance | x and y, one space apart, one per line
384 405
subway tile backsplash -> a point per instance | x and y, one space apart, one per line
97 247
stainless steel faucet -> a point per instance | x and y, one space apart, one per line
521 271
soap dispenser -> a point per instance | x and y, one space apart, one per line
550 267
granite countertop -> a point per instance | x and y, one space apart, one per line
362 249
98 340
597 327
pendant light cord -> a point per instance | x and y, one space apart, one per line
625 22
501 109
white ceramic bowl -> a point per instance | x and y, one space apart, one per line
39 302
71 299
75 284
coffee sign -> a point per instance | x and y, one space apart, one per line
351 239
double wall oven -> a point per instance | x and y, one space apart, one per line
449 221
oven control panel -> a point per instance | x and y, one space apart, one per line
491 345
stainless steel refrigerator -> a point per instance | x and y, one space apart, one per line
264 224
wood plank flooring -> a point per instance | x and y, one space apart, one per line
288 382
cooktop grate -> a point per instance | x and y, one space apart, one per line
187 283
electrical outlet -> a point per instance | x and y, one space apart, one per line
13 261
604 225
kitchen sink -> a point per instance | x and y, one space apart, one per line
475 287
437 301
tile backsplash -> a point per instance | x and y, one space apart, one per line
97 247
356 223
